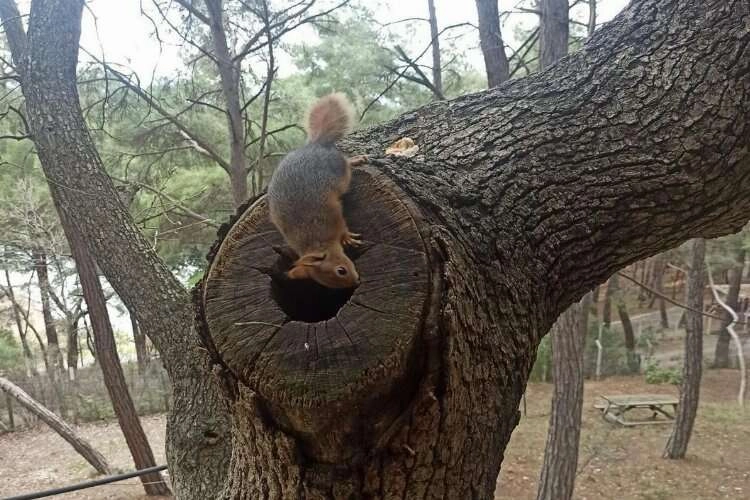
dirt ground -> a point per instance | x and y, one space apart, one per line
625 463
39 460
615 463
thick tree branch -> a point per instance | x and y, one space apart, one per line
595 163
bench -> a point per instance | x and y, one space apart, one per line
616 408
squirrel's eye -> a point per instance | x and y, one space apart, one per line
341 271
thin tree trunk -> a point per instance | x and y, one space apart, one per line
437 70
106 349
553 32
198 442
141 351
50 329
29 362
58 425
55 365
629 334
491 42
660 267
73 352
608 297
557 479
229 75
721 353
73 345
693 363
592 17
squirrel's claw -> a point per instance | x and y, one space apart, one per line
351 239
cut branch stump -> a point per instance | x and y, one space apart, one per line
311 353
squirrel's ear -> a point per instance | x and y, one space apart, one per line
298 272
311 259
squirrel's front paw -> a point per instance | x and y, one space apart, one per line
356 161
351 239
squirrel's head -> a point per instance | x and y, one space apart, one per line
331 268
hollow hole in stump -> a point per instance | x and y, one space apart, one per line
307 300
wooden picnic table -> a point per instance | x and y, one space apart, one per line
615 408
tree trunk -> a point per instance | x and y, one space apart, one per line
55 366
141 351
629 335
557 478
721 354
29 363
553 32
592 18
229 75
73 344
491 42
507 233
58 425
50 329
198 441
526 196
109 361
437 70
608 298
693 364
660 267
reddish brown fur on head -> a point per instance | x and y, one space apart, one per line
332 269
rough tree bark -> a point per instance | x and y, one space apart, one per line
721 353
491 42
553 31
521 191
57 424
109 362
523 198
692 365
558 475
198 441
437 69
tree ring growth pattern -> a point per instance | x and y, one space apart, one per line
357 354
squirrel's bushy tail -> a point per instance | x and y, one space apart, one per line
329 119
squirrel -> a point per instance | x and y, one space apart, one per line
304 197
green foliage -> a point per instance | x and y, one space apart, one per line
655 374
